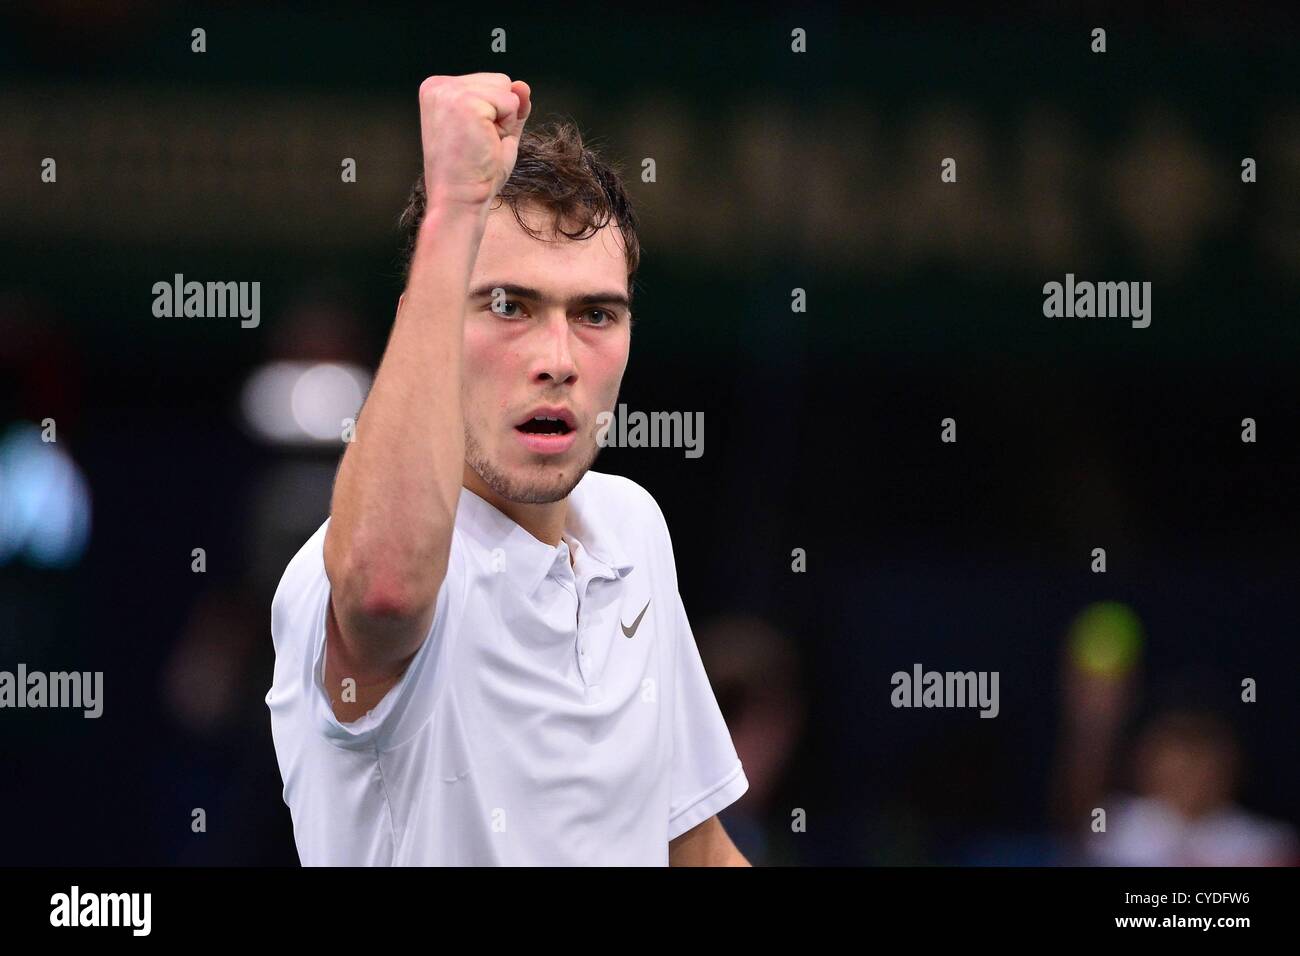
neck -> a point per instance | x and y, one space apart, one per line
545 522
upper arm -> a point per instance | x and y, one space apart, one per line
706 844
370 680
374 624
705 772
319 688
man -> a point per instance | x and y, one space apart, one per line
482 656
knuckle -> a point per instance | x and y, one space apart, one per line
463 101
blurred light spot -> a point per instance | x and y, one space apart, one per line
303 403
44 501
1106 638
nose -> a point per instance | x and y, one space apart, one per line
554 362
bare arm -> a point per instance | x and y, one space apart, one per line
706 844
395 496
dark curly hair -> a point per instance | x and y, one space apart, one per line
568 179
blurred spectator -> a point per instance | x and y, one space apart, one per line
1187 765
755 673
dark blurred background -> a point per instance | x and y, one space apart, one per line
775 170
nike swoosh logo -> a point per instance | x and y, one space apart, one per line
631 631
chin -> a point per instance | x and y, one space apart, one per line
516 476
528 486
537 483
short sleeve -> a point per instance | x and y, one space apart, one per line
298 627
706 772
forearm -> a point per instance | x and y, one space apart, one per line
396 492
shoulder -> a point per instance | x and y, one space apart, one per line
304 567
619 500
298 607
623 522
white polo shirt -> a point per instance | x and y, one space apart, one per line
556 715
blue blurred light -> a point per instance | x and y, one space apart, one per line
44 501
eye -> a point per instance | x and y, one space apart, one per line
608 316
504 308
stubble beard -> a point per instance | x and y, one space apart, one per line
546 486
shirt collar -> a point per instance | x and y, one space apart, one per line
527 561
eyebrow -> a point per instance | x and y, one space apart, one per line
524 292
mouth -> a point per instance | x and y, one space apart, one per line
548 431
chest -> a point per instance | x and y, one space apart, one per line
568 685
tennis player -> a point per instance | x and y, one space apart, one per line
482 656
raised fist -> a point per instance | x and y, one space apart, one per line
470 128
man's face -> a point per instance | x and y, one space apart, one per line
555 345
